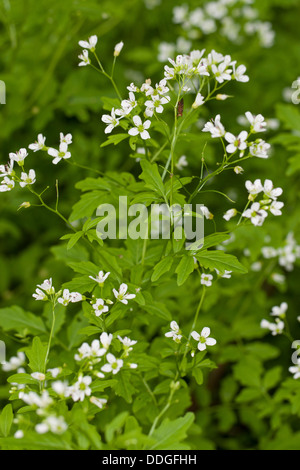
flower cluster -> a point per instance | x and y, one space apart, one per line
259 211
240 143
287 255
226 17
279 312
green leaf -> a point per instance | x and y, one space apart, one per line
74 239
217 259
15 318
22 379
123 387
115 139
248 395
161 268
6 420
37 355
171 433
272 377
152 177
198 375
184 269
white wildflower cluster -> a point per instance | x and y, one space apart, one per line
46 291
14 363
45 408
287 255
259 211
279 312
240 143
231 19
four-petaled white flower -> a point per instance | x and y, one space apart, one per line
90 44
39 144
258 123
239 73
141 128
65 138
203 339
38 376
236 143
113 365
260 149
256 214
100 307
99 402
206 279
84 58
127 344
81 388
61 154
199 101
7 184
100 278
111 120
280 311
19 156
175 332
275 328
121 296
26 179
270 191
44 290
215 127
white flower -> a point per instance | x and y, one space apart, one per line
118 48
7 170
44 290
175 332
203 339
270 191
19 434
236 143
206 212
38 376
61 154
68 297
256 214
65 138
47 286
121 295
111 120
14 363
26 179
226 275
215 127
275 208
280 311
156 104
113 365
127 344
230 214
127 105
221 72
260 149
61 388
254 188
141 128
54 372
275 328
19 156
132 88
100 307
7 184
295 370
258 123
269 252
90 44
100 278
84 58
199 101
206 279
182 162
56 425
81 388
33 399
239 73
39 144
99 402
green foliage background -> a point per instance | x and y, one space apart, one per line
238 407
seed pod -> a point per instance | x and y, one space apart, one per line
180 108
